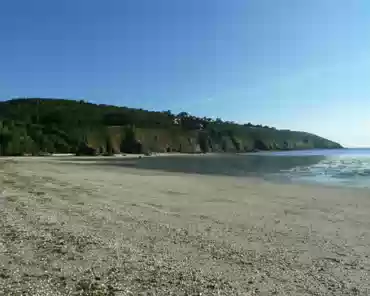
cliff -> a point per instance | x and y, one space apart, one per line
33 126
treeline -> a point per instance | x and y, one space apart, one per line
41 126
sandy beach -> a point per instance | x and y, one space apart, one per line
72 228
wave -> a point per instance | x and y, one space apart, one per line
354 170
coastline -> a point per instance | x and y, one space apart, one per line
144 230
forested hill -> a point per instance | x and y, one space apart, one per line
35 126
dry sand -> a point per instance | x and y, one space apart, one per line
72 229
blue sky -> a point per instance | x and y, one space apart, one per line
302 65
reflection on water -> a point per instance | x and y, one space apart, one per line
221 164
348 167
231 165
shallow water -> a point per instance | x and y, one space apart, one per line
345 167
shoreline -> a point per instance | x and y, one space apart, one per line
95 161
163 154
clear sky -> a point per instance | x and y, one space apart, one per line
302 65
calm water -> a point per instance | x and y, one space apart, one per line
345 167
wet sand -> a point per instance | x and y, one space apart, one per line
90 229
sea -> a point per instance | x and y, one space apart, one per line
339 167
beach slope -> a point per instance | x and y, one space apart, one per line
86 229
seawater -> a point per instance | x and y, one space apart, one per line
340 167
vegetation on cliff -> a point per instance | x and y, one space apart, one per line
36 126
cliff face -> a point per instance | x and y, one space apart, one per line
142 140
49 125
